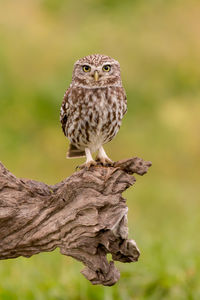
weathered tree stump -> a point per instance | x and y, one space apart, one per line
85 216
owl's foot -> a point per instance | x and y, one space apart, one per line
89 160
87 165
105 161
103 158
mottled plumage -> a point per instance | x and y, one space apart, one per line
93 107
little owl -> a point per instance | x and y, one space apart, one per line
93 107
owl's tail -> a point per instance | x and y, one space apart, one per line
74 152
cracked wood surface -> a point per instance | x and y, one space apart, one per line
85 216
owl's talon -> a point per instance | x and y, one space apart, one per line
105 161
87 165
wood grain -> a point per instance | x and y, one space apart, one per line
85 216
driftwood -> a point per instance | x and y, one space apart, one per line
84 215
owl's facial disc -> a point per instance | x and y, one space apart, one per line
92 73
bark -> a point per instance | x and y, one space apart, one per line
85 216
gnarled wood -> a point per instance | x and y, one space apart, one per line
85 216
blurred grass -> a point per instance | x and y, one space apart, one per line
157 43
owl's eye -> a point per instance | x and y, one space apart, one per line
86 68
107 68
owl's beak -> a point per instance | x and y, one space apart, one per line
96 76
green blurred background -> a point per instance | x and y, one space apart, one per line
158 46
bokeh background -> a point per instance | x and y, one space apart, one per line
158 45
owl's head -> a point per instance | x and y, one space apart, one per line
95 71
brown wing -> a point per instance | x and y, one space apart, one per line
124 99
125 105
64 110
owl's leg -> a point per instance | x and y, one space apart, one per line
89 160
103 158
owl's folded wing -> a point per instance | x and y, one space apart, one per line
64 111
124 101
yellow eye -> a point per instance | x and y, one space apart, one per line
107 68
86 68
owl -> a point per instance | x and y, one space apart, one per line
93 107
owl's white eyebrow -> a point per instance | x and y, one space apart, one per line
108 63
79 64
